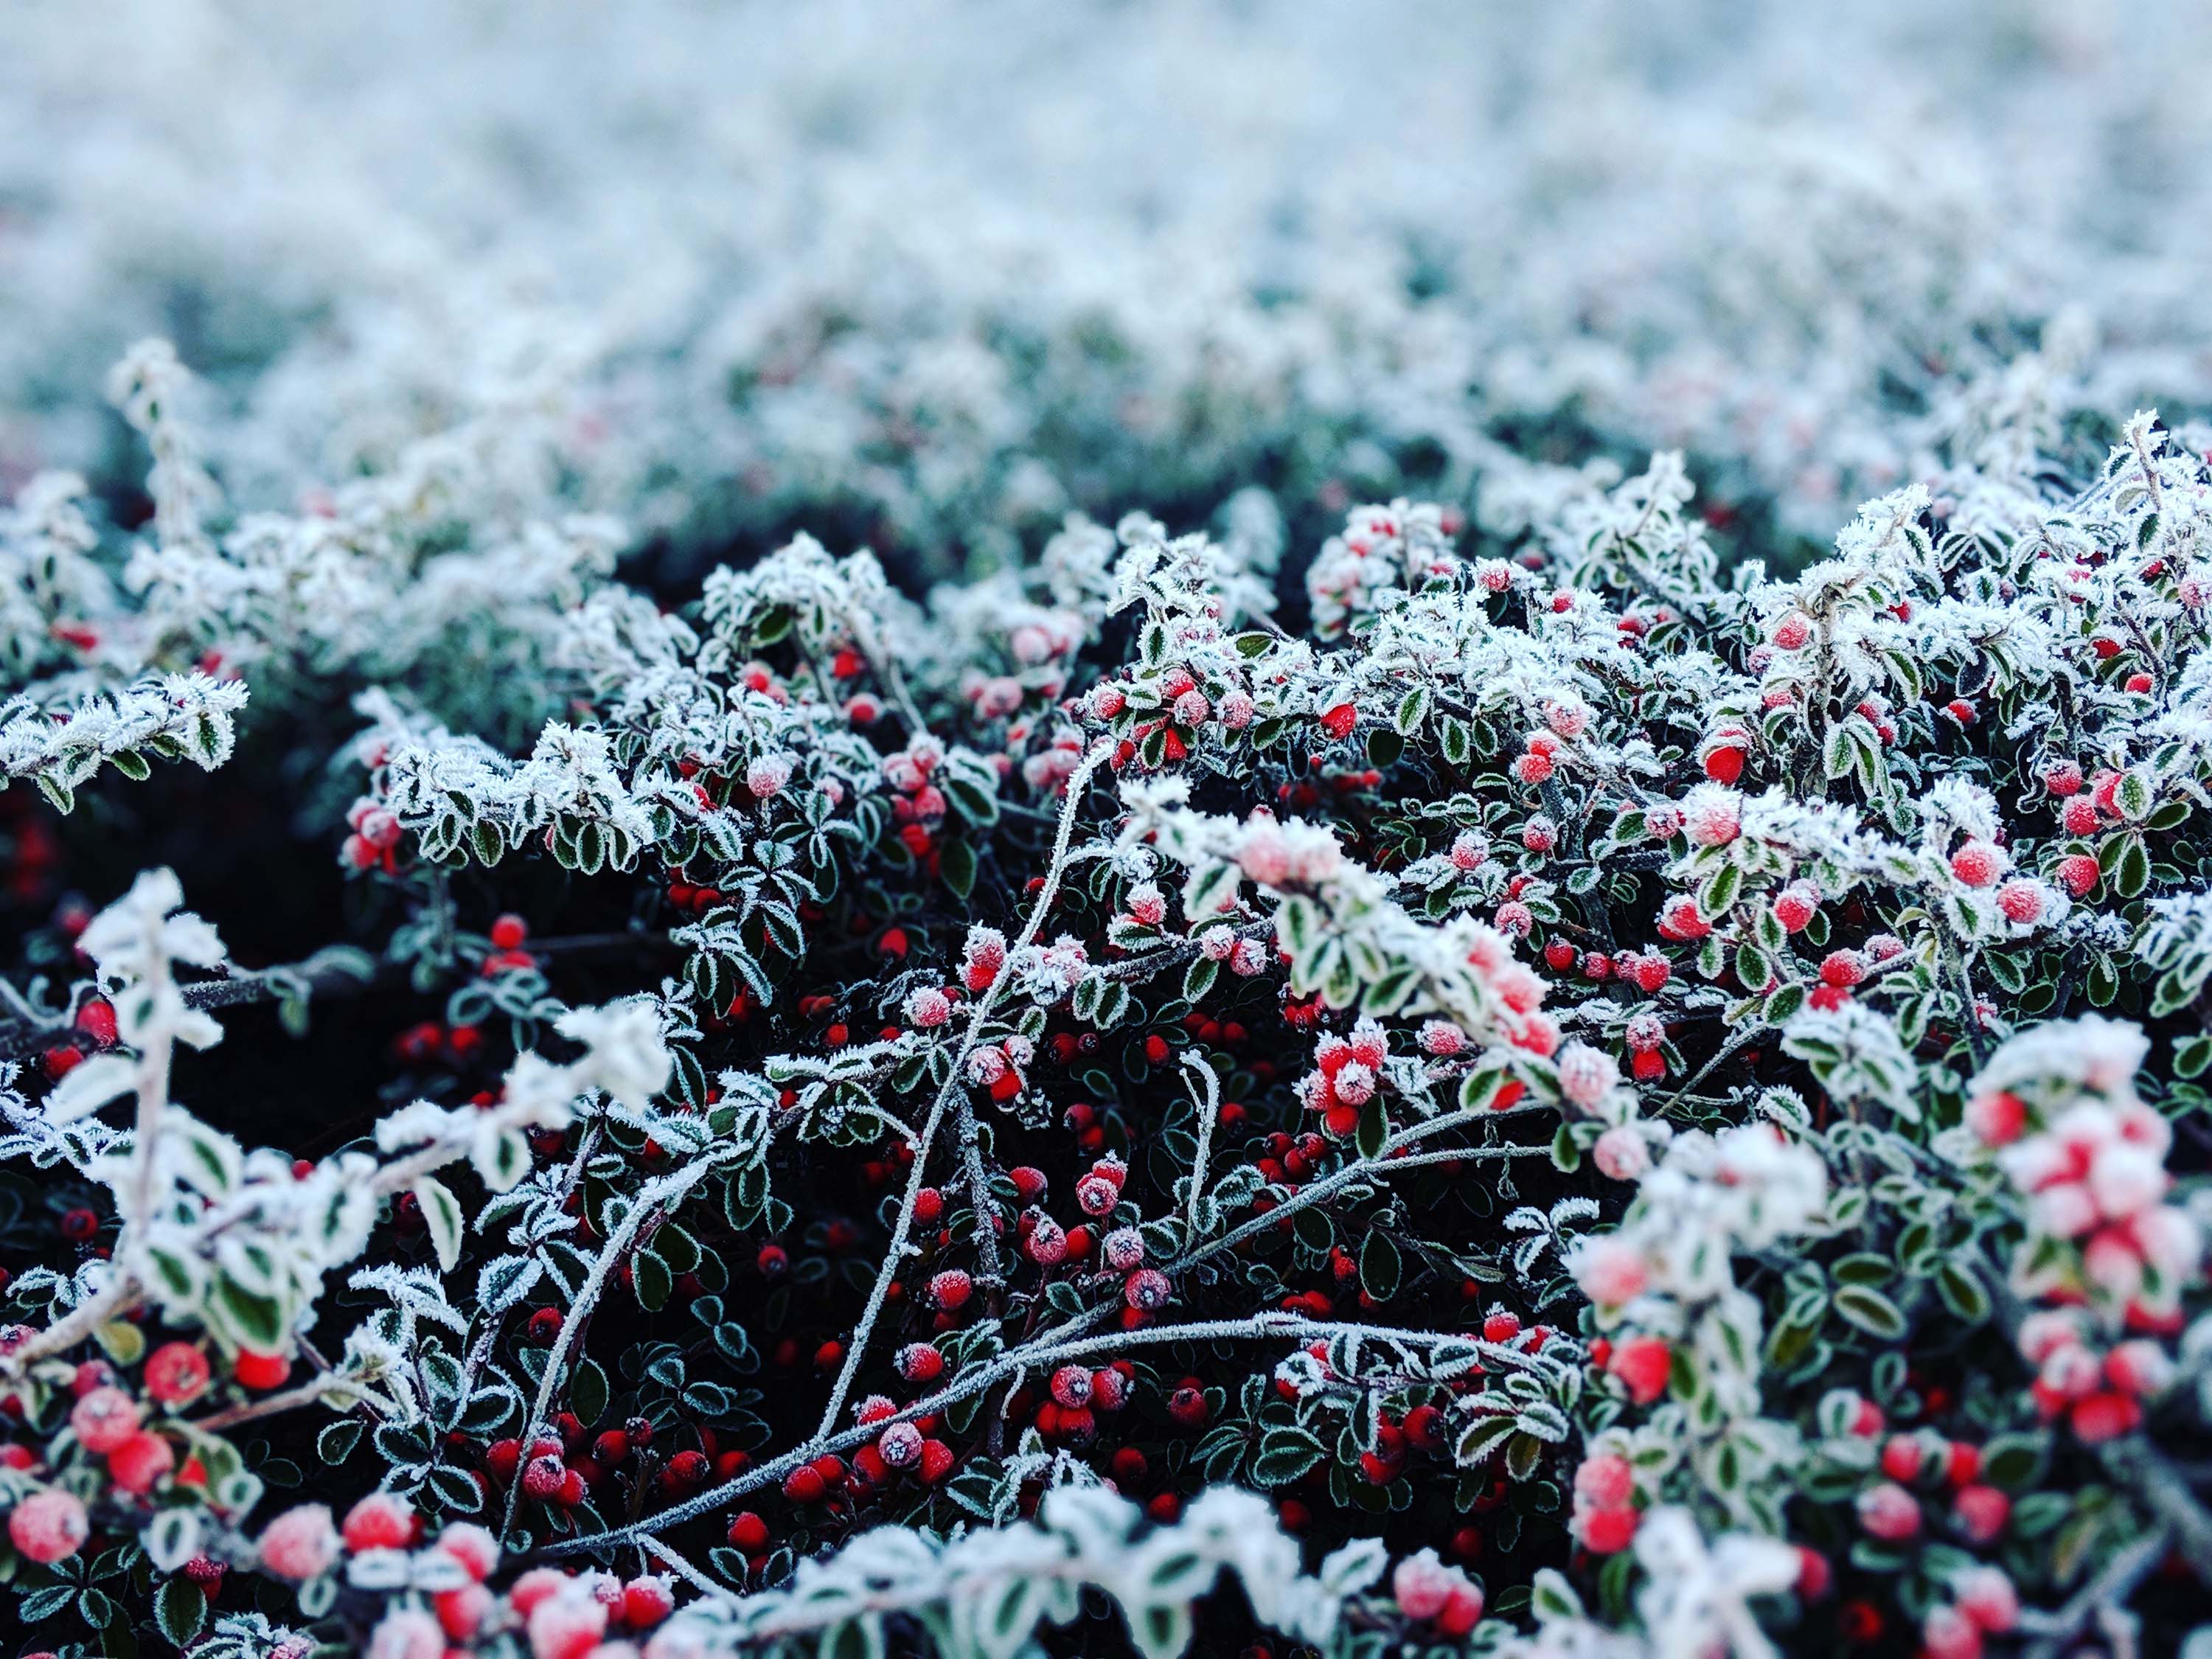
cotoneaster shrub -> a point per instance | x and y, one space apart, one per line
1385 1023
1590 1102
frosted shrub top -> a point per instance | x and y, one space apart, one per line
1046 807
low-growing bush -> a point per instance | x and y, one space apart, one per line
1592 1100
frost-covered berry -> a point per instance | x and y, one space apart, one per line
2022 900
176 1373
927 1008
900 1446
1888 1512
1841 970
1469 849
1977 863
1621 1154
472 1545
1539 834
1712 816
1147 1289
1148 905
300 1544
1794 909
950 1290
1123 1249
1441 1038
104 1419
1587 1075
407 1633
1605 1482
1987 1597
49 1526
2077 874
1070 1386
920 1362
1610 1271
768 775
382 1520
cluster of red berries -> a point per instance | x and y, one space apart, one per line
95 1024
375 842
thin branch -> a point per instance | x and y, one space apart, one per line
956 1083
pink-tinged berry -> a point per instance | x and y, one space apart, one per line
104 1419
49 1526
1947 1633
408 1633
1147 1289
566 1626
176 1373
2022 900
2078 817
472 1546
1997 1117
1889 1513
1987 1597
1605 1483
300 1544
1976 863
382 1520
1981 1512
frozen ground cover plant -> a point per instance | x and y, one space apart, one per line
1246 829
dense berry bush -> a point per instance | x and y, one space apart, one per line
1384 1025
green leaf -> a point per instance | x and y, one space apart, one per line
441 1211
654 1282
956 863
1285 1454
589 1392
1379 1266
1962 1293
336 1441
179 1609
1374 1127
1870 1310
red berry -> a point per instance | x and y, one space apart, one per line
261 1371
937 1462
749 1533
509 932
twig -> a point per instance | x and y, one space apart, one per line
956 1083
1265 1327
2114 1585
656 1197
